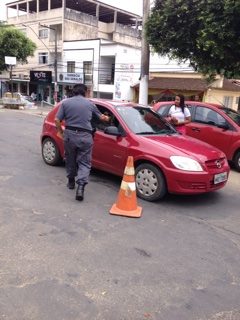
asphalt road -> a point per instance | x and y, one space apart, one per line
61 259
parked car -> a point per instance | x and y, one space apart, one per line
164 160
212 123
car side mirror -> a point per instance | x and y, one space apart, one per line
224 126
113 131
212 123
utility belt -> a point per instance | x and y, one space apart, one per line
77 129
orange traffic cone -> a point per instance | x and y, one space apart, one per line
126 204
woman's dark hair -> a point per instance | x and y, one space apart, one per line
182 101
79 89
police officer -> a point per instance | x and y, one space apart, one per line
77 112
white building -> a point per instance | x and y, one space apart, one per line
110 67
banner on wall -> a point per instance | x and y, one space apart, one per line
41 76
71 77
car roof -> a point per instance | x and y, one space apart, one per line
116 103
213 106
110 103
190 102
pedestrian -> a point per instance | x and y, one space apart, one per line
33 96
196 97
153 102
179 114
77 112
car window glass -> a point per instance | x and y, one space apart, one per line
214 118
235 116
144 121
221 121
163 110
201 114
100 125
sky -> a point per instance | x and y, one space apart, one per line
135 7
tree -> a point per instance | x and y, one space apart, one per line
14 43
204 32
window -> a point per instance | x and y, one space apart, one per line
163 111
71 66
87 72
213 118
227 101
43 33
43 58
100 125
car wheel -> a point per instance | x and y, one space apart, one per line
50 152
236 161
150 182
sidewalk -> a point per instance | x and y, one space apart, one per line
38 110
41 111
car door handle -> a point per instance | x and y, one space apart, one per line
196 129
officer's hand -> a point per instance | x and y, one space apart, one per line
105 118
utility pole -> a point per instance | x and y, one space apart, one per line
144 76
11 82
55 61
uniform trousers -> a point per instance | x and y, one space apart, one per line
78 155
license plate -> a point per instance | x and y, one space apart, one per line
220 177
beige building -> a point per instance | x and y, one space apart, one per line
164 86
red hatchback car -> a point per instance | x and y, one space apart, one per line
164 160
214 124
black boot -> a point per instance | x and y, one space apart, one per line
71 183
80 192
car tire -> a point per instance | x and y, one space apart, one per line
236 161
150 182
50 152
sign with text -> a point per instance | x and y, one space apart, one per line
71 77
10 60
41 76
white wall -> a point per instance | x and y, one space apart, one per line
80 51
127 70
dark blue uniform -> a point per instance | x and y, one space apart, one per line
78 136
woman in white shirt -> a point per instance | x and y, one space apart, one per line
179 114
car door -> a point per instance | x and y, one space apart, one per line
210 126
109 152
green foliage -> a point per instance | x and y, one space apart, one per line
205 32
14 43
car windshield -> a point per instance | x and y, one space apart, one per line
144 121
235 116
